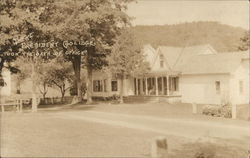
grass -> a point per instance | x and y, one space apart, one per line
208 150
44 134
243 112
165 110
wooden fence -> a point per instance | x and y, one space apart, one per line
56 100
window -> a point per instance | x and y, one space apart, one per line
97 86
174 83
241 89
18 91
161 61
217 87
114 86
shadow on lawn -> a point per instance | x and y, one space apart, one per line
66 107
208 150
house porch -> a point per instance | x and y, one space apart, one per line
157 86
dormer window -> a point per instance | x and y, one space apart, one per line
161 61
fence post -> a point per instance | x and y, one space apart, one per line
2 108
21 105
17 102
52 100
38 101
159 148
194 108
234 111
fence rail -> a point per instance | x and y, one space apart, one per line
55 100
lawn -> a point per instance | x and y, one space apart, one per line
165 110
44 134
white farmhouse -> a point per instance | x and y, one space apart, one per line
196 74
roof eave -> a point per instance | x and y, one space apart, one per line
214 73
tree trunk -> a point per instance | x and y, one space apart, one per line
121 91
62 98
44 96
44 91
77 70
1 65
89 85
63 93
34 102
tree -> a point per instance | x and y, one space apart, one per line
73 88
6 28
127 58
96 22
56 72
245 42
60 75
41 77
23 72
18 19
21 24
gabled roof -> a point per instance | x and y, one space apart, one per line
171 54
176 55
150 54
212 63
201 59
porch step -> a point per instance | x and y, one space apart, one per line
151 99
141 99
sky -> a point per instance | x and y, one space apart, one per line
161 12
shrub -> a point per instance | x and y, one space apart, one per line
218 110
211 110
115 97
226 111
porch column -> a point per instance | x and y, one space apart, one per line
162 86
136 86
146 85
167 85
102 82
141 87
156 86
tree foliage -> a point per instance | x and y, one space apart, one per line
41 77
127 58
93 21
245 42
60 74
96 22
20 22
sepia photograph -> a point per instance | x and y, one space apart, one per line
124 78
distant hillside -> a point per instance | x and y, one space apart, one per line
222 37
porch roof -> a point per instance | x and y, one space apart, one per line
159 73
